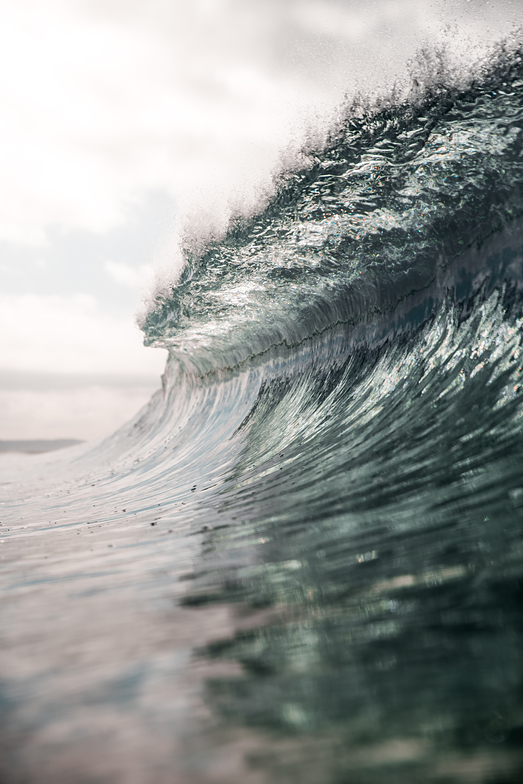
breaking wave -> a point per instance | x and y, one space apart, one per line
334 463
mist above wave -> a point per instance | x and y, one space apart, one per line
394 195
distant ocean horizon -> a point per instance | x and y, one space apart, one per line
37 445
302 560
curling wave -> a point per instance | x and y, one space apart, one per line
327 490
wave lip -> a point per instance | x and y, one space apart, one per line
317 556
392 201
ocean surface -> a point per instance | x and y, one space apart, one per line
302 561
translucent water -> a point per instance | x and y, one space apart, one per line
303 560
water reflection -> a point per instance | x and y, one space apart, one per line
341 546
380 527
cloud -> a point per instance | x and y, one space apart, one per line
89 412
102 101
129 276
71 335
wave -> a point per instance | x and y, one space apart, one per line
327 489
394 199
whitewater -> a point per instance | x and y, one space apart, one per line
302 561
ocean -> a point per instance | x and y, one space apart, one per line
302 561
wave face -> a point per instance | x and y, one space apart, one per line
381 213
315 560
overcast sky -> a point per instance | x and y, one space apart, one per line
119 118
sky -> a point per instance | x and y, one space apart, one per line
125 122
